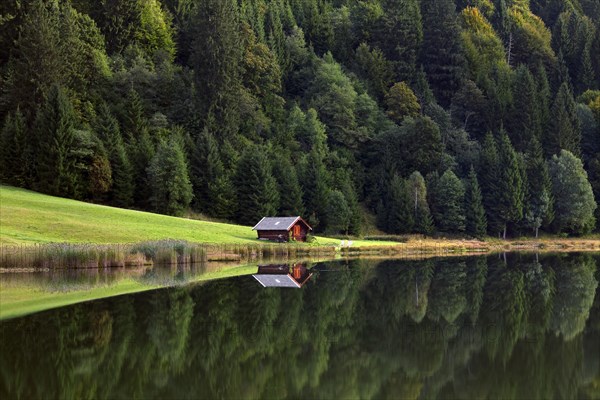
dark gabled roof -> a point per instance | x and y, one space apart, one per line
278 223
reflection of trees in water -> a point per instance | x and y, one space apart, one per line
463 328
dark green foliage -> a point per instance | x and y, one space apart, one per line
525 121
290 192
511 194
399 33
441 52
54 146
539 205
490 183
398 205
168 177
216 59
13 150
256 189
449 211
574 203
564 131
107 127
337 213
314 180
475 219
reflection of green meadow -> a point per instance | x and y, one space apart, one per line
459 328
21 299
29 217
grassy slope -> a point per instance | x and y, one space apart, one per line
29 217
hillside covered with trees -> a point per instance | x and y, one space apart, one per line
464 117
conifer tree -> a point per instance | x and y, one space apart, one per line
423 221
490 183
538 209
213 189
134 123
564 132
449 211
511 194
13 150
314 181
168 176
476 221
121 193
256 189
290 192
399 209
441 53
54 146
525 120
337 213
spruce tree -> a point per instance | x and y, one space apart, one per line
449 211
423 221
564 132
13 150
54 146
169 180
490 183
107 127
314 181
524 120
476 221
399 207
290 192
256 189
538 209
511 194
441 53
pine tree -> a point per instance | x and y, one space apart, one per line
538 209
168 177
490 183
256 189
314 181
121 193
13 146
54 146
449 211
476 221
134 123
423 221
511 192
290 192
399 207
441 53
525 120
564 132
213 190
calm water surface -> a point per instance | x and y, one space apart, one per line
524 327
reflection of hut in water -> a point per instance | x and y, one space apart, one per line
282 275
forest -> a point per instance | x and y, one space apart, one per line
459 117
465 328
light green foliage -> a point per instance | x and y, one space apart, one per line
401 102
574 203
530 37
483 48
168 177
417 190
337 213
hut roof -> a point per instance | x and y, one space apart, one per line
278 223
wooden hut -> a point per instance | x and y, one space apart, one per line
281 275
282 229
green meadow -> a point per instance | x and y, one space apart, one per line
30 217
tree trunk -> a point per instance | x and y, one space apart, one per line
504 233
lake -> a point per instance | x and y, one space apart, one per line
503 326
